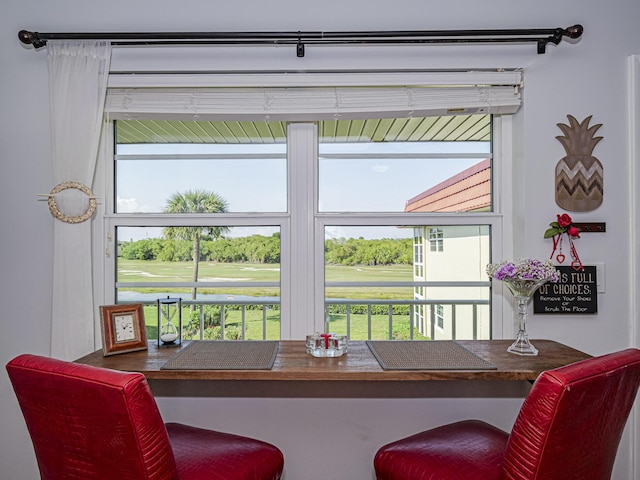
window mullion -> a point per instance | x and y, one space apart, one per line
502 230
302 152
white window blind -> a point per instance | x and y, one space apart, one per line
466 96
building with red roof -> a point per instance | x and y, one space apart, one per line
449 253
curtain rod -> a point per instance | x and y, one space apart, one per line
542 36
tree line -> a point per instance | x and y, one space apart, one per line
185 243
262 249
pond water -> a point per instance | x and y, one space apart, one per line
131 296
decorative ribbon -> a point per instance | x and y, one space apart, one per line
576 263
564 224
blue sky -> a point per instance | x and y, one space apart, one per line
259 184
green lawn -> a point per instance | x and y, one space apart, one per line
157 271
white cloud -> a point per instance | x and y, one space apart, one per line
130 205
380 168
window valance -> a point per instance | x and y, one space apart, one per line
316 102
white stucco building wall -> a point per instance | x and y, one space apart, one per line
465 251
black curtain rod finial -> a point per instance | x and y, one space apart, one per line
25 36
574 32
31 38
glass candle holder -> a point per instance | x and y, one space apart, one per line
326 344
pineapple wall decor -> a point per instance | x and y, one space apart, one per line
579 175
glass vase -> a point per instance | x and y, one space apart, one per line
522 291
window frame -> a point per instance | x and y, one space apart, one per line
439 316
501 167
436 240
302 274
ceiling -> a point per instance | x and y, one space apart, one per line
440 129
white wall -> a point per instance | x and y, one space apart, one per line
589 78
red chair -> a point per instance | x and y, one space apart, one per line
569 428
89 423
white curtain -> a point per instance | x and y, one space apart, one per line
78 73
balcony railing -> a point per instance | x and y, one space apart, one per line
412 321
358 319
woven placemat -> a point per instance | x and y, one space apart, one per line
426 355
225 355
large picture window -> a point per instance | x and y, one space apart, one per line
273 228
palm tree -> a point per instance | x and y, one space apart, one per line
196 201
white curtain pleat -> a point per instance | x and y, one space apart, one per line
78 74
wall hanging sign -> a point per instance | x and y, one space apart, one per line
574 293
579 175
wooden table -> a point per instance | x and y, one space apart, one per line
293 364
341 408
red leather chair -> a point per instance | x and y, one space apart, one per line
569 428
89 423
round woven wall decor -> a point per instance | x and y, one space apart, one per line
66 218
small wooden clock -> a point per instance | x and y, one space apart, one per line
123 328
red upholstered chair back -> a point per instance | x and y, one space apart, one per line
571 422
91 424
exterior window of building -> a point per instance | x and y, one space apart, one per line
418 257
436 240
439 309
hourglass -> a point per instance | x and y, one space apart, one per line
169 322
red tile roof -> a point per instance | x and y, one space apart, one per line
468 190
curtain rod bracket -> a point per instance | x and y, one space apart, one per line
541 36
300 46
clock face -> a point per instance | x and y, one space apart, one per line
124 328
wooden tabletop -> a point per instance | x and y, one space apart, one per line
293 363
